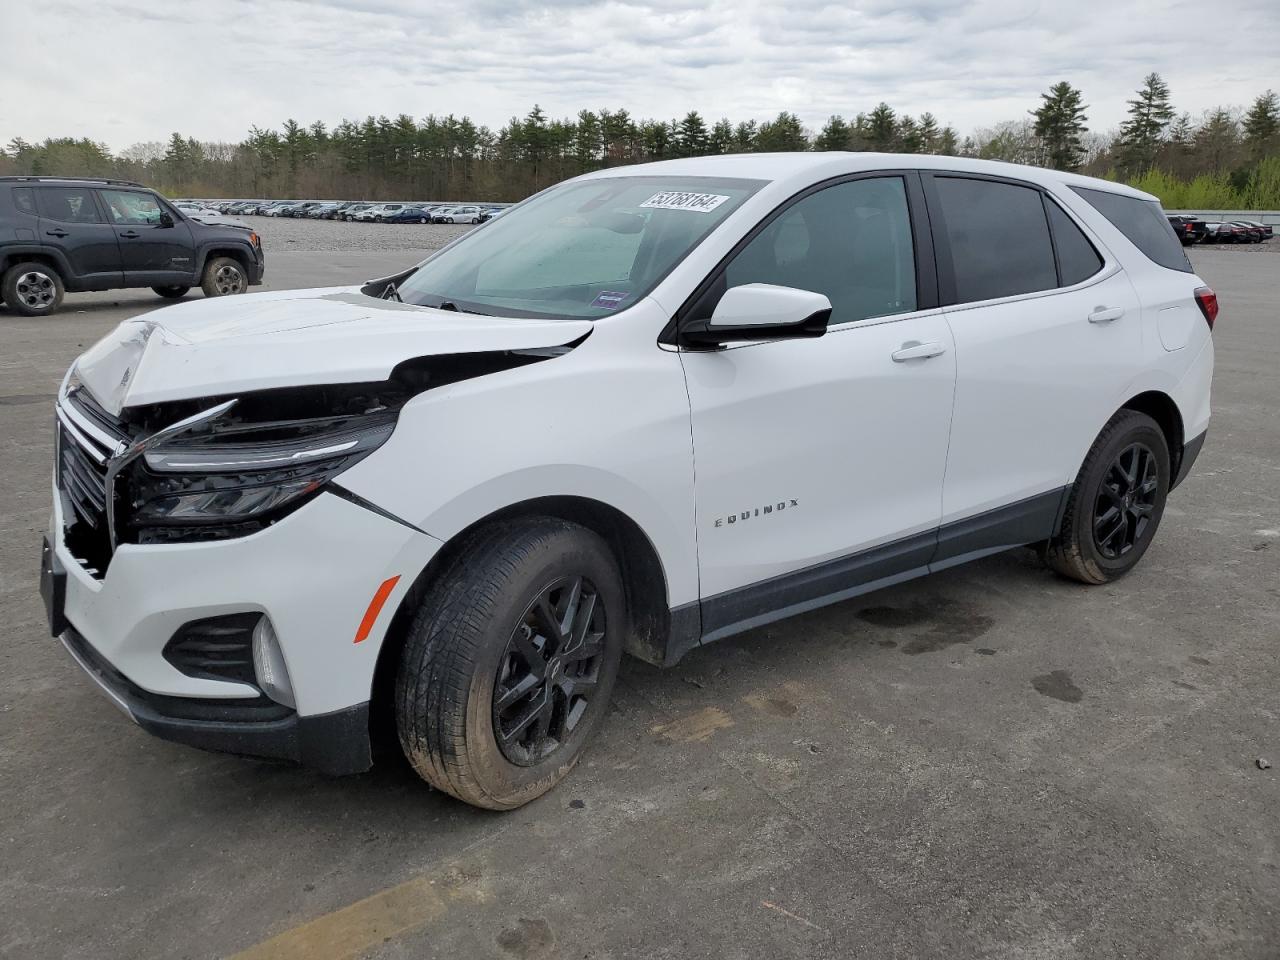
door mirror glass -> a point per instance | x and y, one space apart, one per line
762 311
166 219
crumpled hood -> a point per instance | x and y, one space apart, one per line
290 338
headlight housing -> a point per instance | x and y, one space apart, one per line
236 479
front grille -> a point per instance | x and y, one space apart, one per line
87 438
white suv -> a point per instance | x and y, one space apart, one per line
646 409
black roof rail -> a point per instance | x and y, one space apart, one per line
37 179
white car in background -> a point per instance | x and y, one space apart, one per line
463 214
378 212
452 498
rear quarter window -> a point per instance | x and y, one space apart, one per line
1143 223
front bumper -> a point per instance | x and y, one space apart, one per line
313 574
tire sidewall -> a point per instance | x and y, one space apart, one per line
8 288
1143 430
578 552
209 284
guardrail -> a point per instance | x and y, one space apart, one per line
1261 216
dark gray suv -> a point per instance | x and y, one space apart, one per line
67 234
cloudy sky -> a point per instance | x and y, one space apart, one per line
124 71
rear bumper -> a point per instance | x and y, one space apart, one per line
335 743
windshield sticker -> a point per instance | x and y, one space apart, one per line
608 299
676 200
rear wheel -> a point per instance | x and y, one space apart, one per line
224 277
1116 503
171 293
510 660
32 289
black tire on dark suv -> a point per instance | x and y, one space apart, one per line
67 235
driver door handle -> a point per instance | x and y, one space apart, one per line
130 234
1103 314
915 350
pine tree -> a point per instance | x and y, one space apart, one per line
1150 113
1262 126
781 134
882 128
930 135
721 140
909 139
1059 124
834 135
691 135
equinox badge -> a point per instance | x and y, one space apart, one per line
764 511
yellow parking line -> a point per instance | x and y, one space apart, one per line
352 930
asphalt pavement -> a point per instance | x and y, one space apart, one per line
988 763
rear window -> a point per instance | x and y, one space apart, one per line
1143 223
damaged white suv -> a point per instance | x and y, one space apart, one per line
648 408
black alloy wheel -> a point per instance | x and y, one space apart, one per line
549 671
1126 501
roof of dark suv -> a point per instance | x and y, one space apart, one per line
103 180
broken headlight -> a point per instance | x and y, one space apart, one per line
238 478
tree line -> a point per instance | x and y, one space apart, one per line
1223 159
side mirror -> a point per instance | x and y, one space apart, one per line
166 218
761 311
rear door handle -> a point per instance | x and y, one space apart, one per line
915 350
1103 314
56 232
130 234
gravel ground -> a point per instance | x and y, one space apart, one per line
287 233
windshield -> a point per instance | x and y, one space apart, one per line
586 249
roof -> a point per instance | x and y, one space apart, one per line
806 166
34 179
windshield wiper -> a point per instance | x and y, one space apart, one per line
448 305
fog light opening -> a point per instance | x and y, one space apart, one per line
268 664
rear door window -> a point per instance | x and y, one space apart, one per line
1143 223
1077 259
68 204
998 237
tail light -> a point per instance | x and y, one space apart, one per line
1207 301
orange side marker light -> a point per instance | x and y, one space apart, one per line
375 607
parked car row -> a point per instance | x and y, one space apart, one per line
351 210
1194 230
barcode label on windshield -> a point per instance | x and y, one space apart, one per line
675 200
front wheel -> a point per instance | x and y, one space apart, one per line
510 660
224 277
1116 503
422 219
171 293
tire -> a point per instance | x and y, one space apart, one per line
475 220
1126 475
422 220
223 277
476 630
448 219
32 289
171 293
